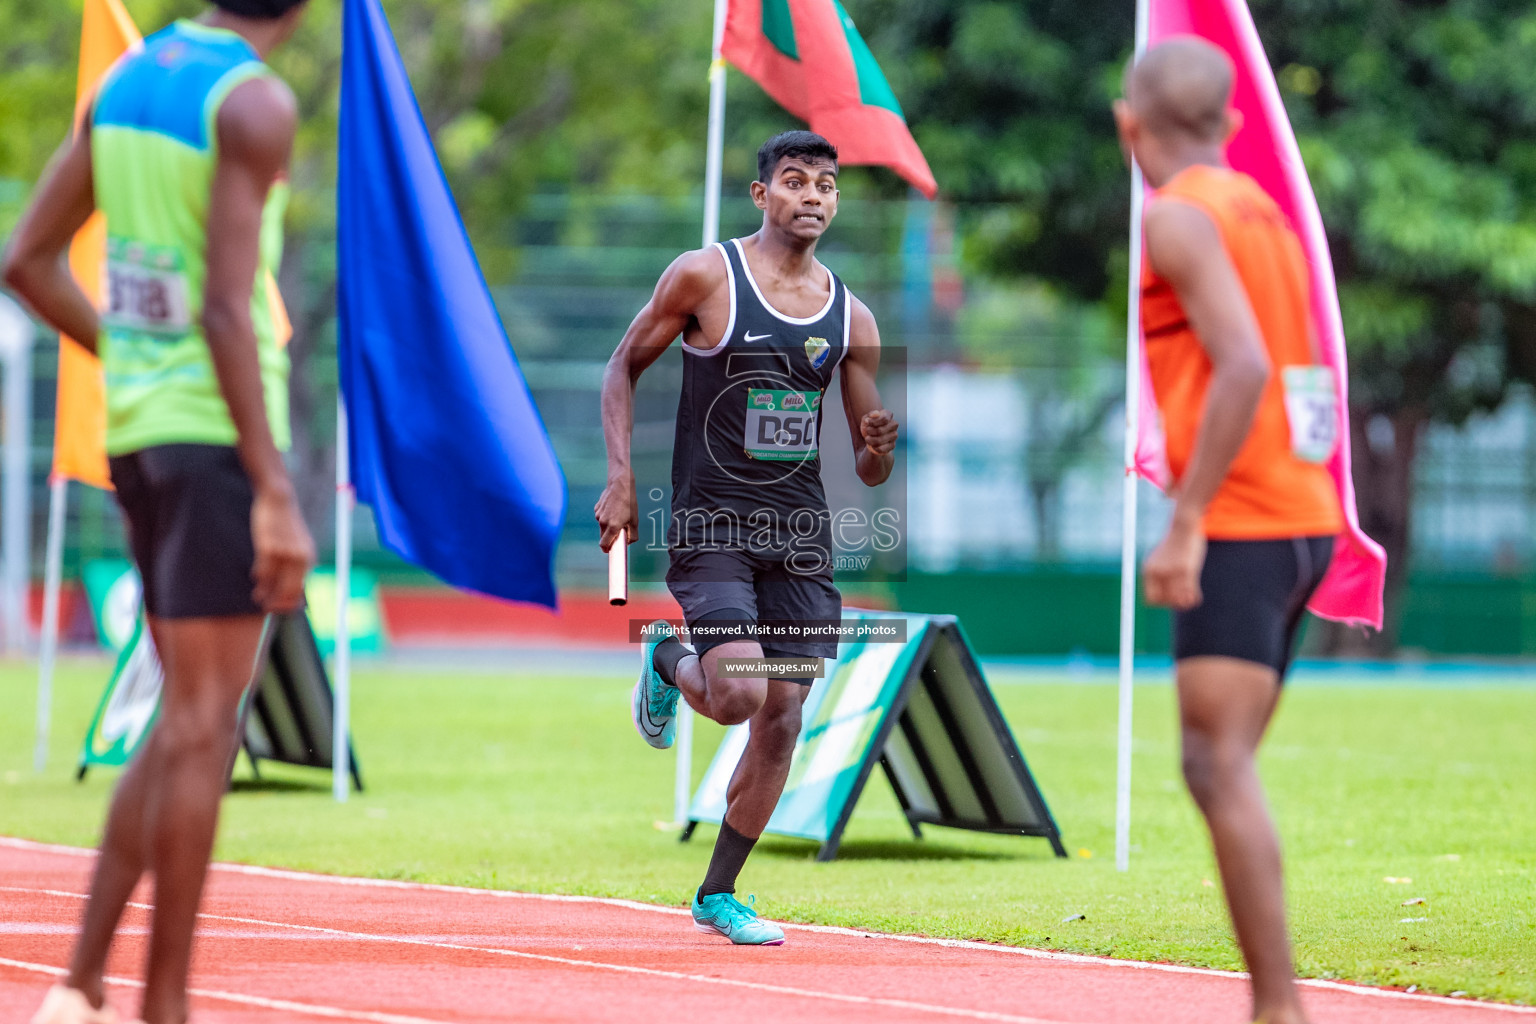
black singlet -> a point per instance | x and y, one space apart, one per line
746 464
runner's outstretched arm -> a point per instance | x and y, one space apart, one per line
682 289
1185 249
34 265
255 127
871 425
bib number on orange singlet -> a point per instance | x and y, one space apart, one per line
1312 407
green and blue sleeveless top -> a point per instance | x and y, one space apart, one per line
154 144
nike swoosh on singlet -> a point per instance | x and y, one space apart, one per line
749 336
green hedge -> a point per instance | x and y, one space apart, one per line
1062 609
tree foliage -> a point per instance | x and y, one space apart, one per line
1417 122
1010 102
39 45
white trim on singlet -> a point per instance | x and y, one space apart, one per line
831 296
847 329
730 323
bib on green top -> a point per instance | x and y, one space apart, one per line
153 148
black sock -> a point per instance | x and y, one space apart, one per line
666 656
731 849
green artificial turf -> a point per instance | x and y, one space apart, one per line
512 781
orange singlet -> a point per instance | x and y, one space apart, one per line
1270 492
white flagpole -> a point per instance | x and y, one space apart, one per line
17 504
682 786
716 138
16 336
1128 525
48 644
341 748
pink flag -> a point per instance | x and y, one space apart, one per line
1265 149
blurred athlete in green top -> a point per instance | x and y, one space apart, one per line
185 151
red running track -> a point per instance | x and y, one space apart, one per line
278 946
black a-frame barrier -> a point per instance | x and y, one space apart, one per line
290 715
937 732
951 757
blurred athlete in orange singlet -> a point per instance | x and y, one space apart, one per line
1250 418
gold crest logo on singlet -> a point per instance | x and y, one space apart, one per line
816 350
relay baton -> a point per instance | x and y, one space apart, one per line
618 569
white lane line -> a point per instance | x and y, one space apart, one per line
756 986
1078 959
309 1009
1082 959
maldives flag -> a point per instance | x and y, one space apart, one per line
808 56
1265 149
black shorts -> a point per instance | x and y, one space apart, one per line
188 508
706 581
1254 594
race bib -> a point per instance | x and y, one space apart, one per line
1312 407
781 425
146 289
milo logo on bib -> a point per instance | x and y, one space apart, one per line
781 425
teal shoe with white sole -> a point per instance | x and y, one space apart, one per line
653 704
723 914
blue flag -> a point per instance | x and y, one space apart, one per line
446 443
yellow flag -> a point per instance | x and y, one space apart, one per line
80 425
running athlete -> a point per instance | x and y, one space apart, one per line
765 328
184 150
1250 418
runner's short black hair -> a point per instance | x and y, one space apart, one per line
796 143
262 9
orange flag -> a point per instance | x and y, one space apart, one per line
80 424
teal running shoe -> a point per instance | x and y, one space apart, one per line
723 914
653 705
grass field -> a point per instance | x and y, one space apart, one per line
513 781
